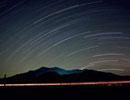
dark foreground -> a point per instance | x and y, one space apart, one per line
66 92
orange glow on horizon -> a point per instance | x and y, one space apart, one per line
72 83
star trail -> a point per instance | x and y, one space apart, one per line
70 34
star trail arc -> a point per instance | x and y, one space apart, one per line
65 33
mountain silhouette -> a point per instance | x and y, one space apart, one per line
60 71
55 74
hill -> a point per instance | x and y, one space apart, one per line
55 74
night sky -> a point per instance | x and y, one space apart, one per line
70 34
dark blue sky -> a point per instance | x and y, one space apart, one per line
92 34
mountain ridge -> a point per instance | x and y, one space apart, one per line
56 74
